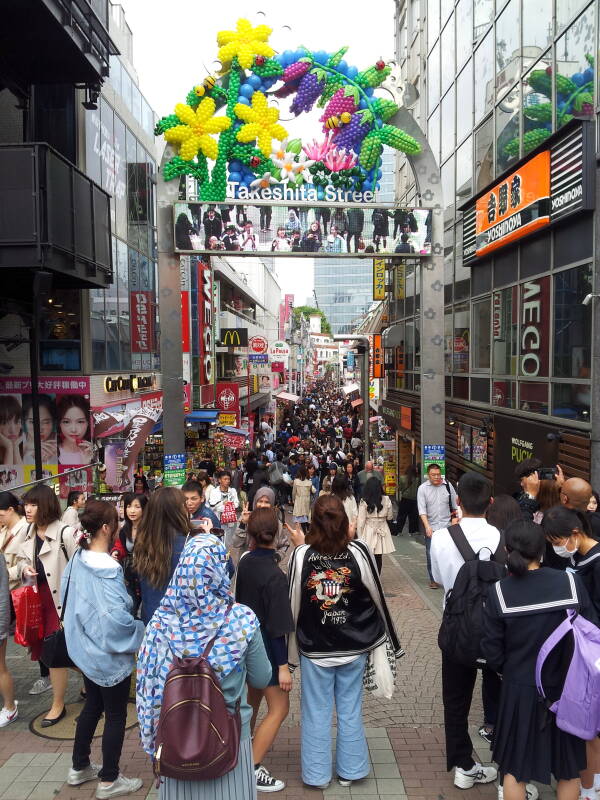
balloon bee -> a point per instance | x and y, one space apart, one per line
337 122
207 84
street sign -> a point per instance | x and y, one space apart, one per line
434 454
258 345
174 472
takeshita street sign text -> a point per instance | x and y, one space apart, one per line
229 137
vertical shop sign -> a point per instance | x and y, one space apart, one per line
228 399
142 325
399 282
535 315
497 312
379 279
377 356
205 323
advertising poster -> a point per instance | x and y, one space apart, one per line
479 446
228 400
113 461
64 417
434 454
463 440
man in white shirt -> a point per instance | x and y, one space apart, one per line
458 680
436 502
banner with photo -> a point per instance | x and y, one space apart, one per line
64 417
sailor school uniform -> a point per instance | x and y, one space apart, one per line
519 615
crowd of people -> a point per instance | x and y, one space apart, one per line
251 573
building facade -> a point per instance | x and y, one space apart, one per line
507 93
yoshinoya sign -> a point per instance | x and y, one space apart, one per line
546 189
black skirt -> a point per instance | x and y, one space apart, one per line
527 743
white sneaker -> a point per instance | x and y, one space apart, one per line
78 776
265 782
119 787
464 779
40 686
6 716
344 782
531 792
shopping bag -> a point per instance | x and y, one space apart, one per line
380 672
229 514
29 624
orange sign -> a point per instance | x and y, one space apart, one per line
516 207
377 356
406 417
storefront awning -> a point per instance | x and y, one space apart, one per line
203 415
290 398
356 403
350 387
234 431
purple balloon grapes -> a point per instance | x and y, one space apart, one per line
351 134
308 91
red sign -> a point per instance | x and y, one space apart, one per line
277 366
228 398
142 322
205 323
377 356
234 440
258 345
185 322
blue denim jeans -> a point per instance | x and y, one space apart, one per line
320 687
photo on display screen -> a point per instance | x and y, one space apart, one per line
301 229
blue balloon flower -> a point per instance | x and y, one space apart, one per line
235 177
243 100
254 81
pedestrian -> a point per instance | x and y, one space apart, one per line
75 502
140 485
436 503
9 711
313 476
224 502
522 612
340 615
122 549
374 513
356 222
201 605
262 586
193 492
160 539
12 532
102 638
352 477
332 471
302 489
458 680
43 555
368 472
342 489
407 507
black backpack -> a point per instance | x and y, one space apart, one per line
462 623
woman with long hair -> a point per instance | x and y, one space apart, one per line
374 513
11 430
102 638
340 615
547 497
133 511
503 510
342 488
160 538
198 606
43 555
302 489
352 477
74 446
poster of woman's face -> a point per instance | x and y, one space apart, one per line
74 441
47 420
11 441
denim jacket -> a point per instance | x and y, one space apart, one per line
102 636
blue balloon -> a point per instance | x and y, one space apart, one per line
378 186
243 100
367 186
379 174
352 72
369 91
246 90
235 177
321 56
254 81
320 193
268 82
363 103
235 165
288 57
248 179
588 75
342 67
578 79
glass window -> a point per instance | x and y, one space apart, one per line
572 323
448 65
111 319
98 329
484 155
571 401
464 171
448 188
464 100
533 397
60 333
460 388
508 54
448 118
120 194
480 348
482 16
574 75
409 358
480 393
461 338
507 130
433 20
505 331
504 394
462 274
433 133
535 317
566 10
484 75
433 77
115 74
448 341
464 30
126 85
136 103
537 27
122 275
536 89
447 6
93 165
107 150
147 118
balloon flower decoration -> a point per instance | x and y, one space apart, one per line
229 122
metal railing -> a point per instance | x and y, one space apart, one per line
55 477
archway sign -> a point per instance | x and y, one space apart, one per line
228 137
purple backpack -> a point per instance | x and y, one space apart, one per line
578 707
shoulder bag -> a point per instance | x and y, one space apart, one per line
54 647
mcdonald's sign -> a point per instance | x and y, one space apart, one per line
234 337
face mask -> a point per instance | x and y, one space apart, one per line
561 550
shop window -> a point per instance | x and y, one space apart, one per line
433 77
409 358
460 388
409 303
433 20
504 394
60 332
573 242
409 381
433 134
448 386
417 289
98 331
417 343
506 267
464 99
537 24
484 74
507 130
508 54
571 401
448 332
480 335
480 390
464 171
505 331
572 323
533 397
448 264
481 278
461 338
484 154
535 324
122 276
448 63
462 274
535 255
448 127
574 74
536 93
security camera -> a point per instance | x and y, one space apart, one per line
587 299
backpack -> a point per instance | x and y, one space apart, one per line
275 474
462 622
578 707
197 738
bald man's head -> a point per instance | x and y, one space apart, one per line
369 466
576 493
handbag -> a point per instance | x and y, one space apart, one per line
29 626
229 514
380 671
54 647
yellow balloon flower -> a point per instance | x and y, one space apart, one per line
245 43
193 134
261 123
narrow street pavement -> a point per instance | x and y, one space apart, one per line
406 735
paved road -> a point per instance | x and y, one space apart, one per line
405 734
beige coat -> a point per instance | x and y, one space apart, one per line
301 492
10 544
51 555
373 527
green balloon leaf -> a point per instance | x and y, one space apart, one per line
337 57
398 139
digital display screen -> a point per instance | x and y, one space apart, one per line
315 230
